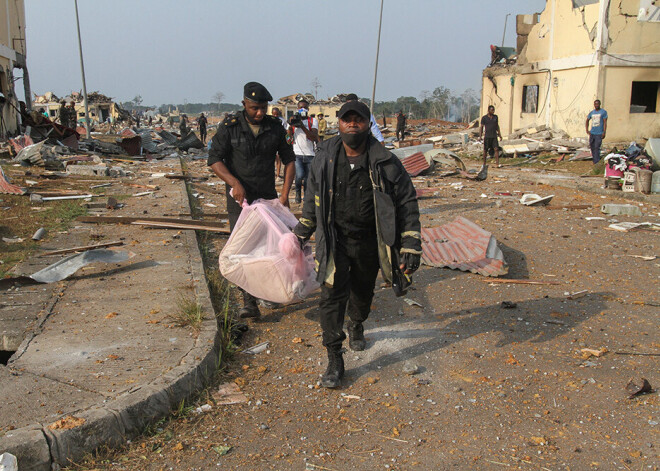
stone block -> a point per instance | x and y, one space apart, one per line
88 170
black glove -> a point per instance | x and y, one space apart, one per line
411 262
302 241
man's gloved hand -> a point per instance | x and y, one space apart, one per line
302 241
409 262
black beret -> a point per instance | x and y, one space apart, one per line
254 91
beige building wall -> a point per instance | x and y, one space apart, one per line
12 42
575 55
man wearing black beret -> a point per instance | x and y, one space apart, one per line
243 154
364 212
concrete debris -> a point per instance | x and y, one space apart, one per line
8 462
532 199
621 210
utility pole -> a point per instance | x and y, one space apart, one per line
373 91
505 20
82 70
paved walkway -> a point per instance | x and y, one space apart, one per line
100 349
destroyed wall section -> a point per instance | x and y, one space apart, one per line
12 52
573 58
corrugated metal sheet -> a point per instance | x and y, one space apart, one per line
127 132
415 164
9 188
132 145
462 245
408 151
147 142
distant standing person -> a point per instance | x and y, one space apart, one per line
490 131
400 125
64 114
305 133
276 113
598 118
323 126
202 121
73 116
183 125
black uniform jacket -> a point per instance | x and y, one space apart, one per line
395 205
251 159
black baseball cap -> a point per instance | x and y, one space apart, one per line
355 106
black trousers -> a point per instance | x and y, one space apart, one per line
356 265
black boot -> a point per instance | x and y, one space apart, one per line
335 372
298 196
356 336
250 308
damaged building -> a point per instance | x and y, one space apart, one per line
329 107
101 107
572 53
12 56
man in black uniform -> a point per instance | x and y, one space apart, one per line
365 215
202 121
400 125
243 155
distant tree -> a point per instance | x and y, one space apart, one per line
218 97
137 100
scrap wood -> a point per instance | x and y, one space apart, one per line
136 185
82 248
520 282
638 354
571 206
187 177
180 225
130 220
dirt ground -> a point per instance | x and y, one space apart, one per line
494 388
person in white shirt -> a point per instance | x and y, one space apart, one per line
305 133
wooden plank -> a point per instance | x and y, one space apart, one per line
519 282
131 220
174 225
83 248
571 206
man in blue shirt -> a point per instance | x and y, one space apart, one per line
598 118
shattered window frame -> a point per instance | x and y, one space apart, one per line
581 3
642 94
530 99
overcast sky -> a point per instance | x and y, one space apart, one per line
174 51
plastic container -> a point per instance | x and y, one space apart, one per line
643 180
655 182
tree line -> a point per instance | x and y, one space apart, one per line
440 103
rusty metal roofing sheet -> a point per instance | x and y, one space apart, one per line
9 188
463 245
415 164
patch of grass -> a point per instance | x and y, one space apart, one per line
64 213
189 313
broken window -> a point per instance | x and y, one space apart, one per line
581 3
51 113
530 98
644 97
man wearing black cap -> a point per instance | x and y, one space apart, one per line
375 130
243 154
365 215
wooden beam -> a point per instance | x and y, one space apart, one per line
83 248
180 225
518 282
131 220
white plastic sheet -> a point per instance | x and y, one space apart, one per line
263 257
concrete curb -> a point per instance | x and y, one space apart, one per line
39 448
